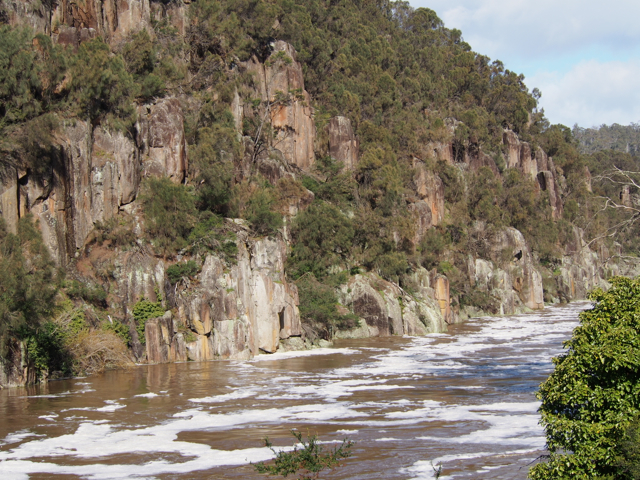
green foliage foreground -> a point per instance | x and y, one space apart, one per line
593 395
306 462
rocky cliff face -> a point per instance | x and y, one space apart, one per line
70 23
96 174
509 274
18 370
538 166
238 309
386 309
279 84
343 144
230 311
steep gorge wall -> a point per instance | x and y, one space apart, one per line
96 173
240 310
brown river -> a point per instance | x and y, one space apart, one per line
464 400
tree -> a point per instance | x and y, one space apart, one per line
593 395
170 213
323 238
28 284
100 83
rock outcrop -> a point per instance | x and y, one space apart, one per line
509 274
163 148
430 189
343 144
583 269
279 84
235 311
70 22
17 370
385 309
9 205
164 343
538 166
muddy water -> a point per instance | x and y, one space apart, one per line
464 400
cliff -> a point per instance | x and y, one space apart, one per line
416 242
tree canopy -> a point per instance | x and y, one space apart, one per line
593 395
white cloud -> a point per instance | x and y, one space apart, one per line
584 55
537 28
592 93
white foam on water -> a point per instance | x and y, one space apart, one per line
50 395
51 416
97 440
112 406
302 353
202 458
109 408
147 395
500 423
235 395
424 469
18 437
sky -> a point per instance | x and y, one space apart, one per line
583 55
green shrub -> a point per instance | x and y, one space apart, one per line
480 299
319 304
213 155
322 237
100 83
46 349
628 458
432 246
178 271
306 462
211 235
170 214
28 283
28 75
94 294
119 329
142 311
392 265
260 212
